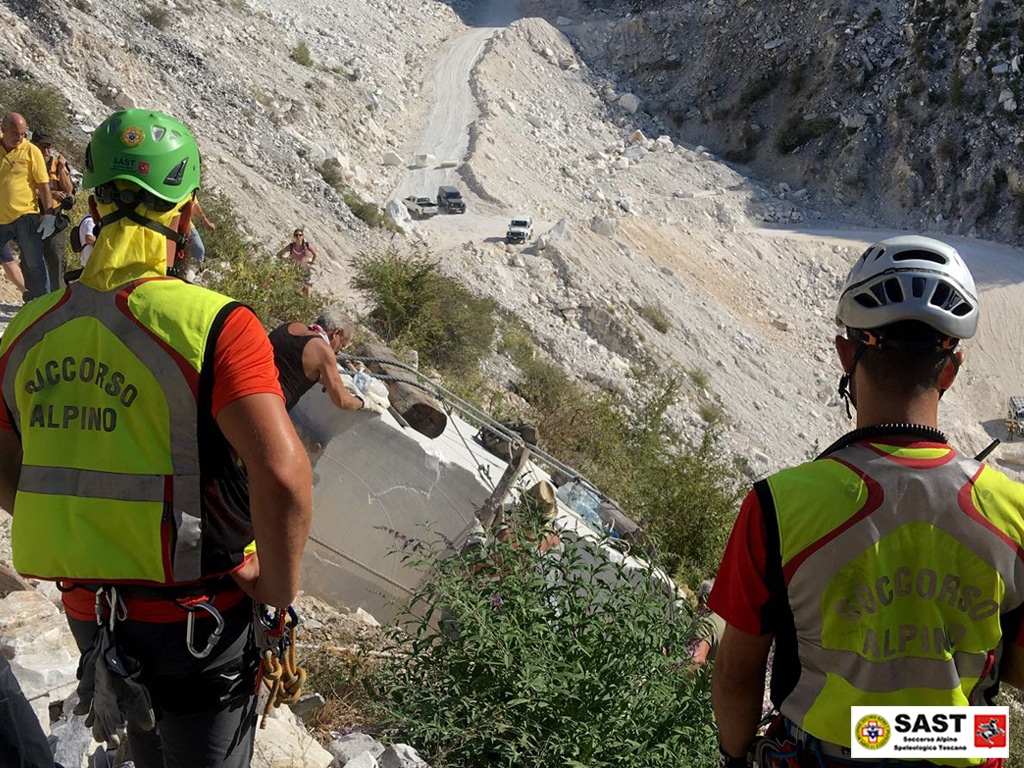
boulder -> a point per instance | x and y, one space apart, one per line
391 158
351 745
282 742
630 103
402 756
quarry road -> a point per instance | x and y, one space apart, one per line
446 135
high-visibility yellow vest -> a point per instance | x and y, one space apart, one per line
898 564
125 478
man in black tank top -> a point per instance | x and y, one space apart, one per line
305 355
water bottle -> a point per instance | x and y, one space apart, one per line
362 381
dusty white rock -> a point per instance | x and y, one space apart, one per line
630 103
391 158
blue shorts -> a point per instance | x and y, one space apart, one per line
6 254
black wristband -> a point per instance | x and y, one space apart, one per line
725 760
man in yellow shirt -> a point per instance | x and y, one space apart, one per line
23 178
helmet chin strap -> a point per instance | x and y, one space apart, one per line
844 382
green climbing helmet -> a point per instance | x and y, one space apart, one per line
151 149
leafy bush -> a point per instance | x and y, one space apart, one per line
330 170
369 213
656 316
44 108
519 659
300 54
797 131
685 496
271 287
417 306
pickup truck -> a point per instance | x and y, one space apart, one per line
520 229
420 207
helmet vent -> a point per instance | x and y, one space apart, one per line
962 309
177 173
920 255
893 290
114 126
866 300
157 132
942 295
917 286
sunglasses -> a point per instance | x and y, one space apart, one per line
297 234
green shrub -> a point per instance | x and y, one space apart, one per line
656 316
157 15
300 54
272 287
699 377
685 496
510 661
44 108
797 131
369 213
419 307
331 172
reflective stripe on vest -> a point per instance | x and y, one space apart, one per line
898 563
132 473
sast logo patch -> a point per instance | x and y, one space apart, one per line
872 731
990 731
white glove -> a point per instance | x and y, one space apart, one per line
374 402
47 225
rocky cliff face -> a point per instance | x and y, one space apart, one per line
908 111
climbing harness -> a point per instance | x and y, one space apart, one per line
279 670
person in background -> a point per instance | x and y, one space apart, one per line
168 459
196 249
704 646
23 179
61 191
301 252
11 268
87 238
889 533
307 354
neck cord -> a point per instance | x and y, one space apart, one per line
901 429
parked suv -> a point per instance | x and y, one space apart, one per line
449 200
520 229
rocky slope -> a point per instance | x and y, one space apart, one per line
904 111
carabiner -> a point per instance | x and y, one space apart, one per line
190 628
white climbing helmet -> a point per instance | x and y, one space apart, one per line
910 278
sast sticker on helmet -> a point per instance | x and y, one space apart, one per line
132 136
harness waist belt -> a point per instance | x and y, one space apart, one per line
80 603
